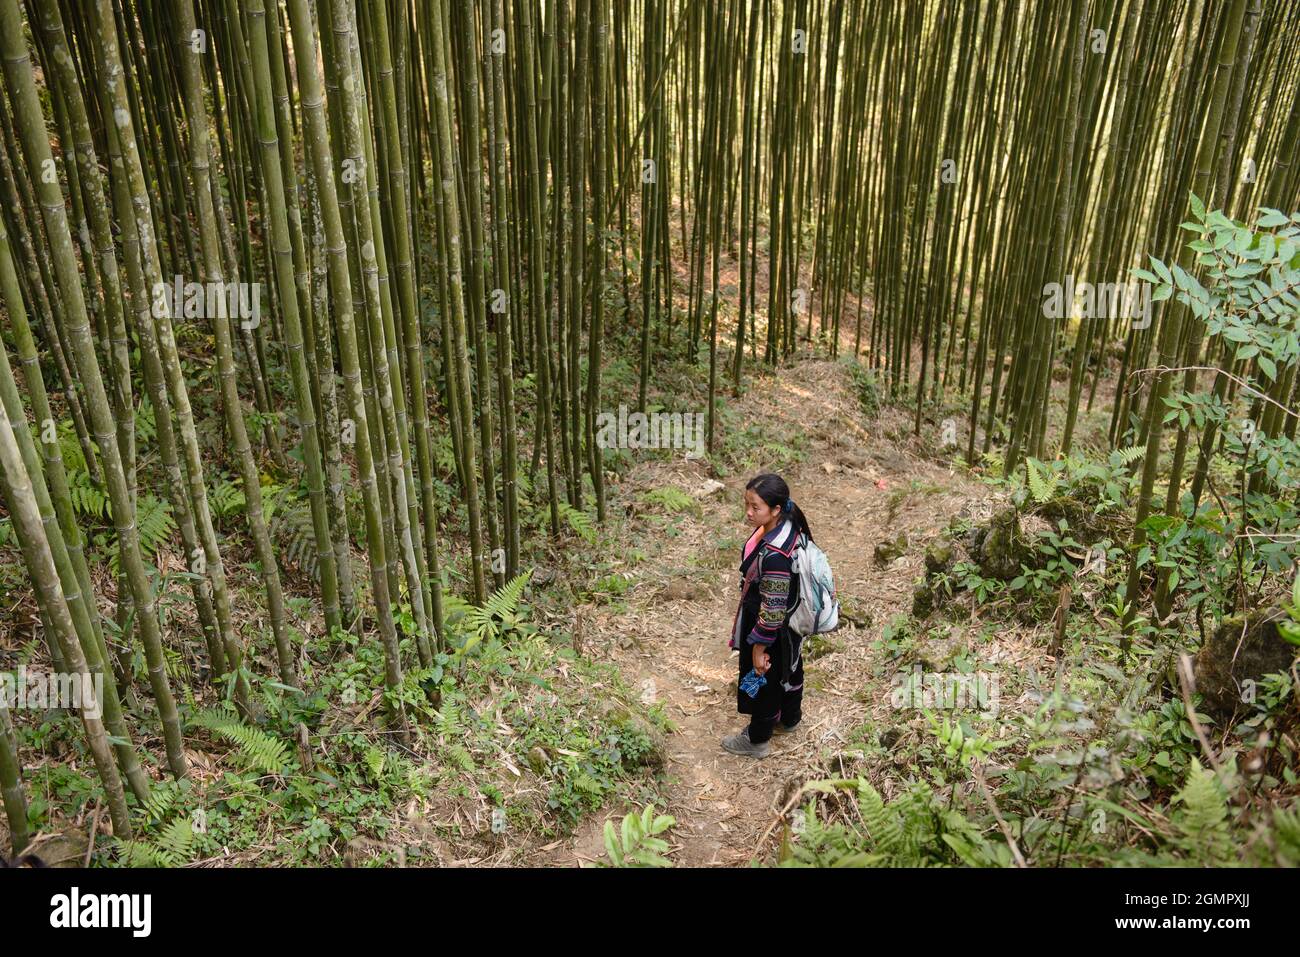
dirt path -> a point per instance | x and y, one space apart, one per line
857 488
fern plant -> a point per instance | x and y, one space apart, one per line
452 731
497 616
291 527
670 498
257 748
579 521
175 842
636 844
173 847
1202 818
88 499
913 830
226 498
1042 484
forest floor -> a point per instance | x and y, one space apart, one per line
858 488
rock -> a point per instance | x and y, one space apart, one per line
649 692
923 600
815 646
64 848
928 593
1263 651
538 759
887 551
1078 509
850 615
1002 549
710 487
938 558
679 590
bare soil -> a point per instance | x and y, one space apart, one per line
857 489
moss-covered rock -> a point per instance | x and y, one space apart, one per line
923 600
938 557
818 646
60 849
1078 510
1000 548
887 551
929 593
1221 668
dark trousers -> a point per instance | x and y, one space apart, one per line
773 703
791 711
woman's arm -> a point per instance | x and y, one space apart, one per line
774 595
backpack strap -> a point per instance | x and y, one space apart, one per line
785 539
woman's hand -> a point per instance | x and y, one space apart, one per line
760 659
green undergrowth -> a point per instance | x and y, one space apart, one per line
514 738
1014 720
1097 762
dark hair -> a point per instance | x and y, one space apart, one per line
771 488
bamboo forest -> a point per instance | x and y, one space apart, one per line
397 394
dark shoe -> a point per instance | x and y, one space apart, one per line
740 744
782 729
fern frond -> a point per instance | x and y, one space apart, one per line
257 748
1203 818
292 527
227 498
1041 485
503 602
1286 836
161 801
87 498
375 761
448 721
579 521
142 854
461 757
882 824
177 840
1128 456
670 497
155 522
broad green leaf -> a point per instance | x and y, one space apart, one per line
611 845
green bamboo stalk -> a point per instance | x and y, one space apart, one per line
30 120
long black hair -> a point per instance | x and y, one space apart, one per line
771 488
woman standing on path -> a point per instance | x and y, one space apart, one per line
768 590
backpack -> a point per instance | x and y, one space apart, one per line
817 611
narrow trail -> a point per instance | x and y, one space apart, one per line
857 488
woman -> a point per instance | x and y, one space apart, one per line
769 589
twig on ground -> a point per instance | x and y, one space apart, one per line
993 806
1187 683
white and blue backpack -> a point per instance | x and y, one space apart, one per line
817 611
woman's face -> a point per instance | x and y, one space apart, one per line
757 512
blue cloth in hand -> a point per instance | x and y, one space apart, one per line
752 682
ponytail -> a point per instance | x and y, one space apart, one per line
797 516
